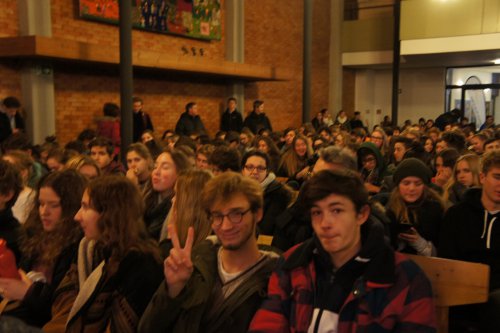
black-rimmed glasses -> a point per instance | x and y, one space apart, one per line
234 217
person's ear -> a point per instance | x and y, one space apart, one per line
363 214
259 214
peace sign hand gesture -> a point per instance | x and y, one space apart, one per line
178 266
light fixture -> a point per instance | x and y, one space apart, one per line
460 83
496 61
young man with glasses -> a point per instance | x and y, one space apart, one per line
345 278
218 285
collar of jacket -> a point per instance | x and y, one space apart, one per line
380 268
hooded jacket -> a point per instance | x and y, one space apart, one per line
471 233
378 290
376 176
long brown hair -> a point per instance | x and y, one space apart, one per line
187 206
291 162
44 247
120 224
400 209
151 197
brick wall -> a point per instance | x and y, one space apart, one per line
273 36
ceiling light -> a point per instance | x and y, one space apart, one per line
496 61
460 83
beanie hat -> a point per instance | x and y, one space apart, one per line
412 167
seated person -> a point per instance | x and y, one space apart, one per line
345 278
11 185
256 164
102 151
48 248
217 285
415 211
470 233
118 267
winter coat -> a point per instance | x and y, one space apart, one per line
276 200
187 125
185 313
231 121
392 294
34 309
470 233
99 295
255 122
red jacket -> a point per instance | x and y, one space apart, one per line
392 295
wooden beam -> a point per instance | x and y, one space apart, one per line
65 49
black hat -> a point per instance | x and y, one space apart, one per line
412 167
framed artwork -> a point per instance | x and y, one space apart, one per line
199 19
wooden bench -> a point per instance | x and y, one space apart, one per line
454 283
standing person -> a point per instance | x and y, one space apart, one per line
231 119
141 119
257 119
48 247
108 125
345 278
190 122
11 120
356 122
118 267
217 285
470 232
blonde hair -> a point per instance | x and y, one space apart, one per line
474 162
400 209
290 161
79 161
187 205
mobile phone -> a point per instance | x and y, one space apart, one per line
403 228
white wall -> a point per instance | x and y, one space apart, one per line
421 94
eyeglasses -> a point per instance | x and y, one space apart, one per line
251 168
235 217
376 138
368 159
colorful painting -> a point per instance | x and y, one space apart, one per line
191 18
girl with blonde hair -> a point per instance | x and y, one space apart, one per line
465 175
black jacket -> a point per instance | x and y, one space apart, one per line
471 233
154 218
276 200
255 122
5 129
142 122
10 230
231 121
425 215
36 305
187 125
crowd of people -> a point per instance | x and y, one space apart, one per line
174 241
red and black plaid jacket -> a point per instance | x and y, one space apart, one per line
393 295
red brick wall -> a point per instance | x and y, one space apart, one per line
10 84
320 56
273 36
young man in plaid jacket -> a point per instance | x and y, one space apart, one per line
346 278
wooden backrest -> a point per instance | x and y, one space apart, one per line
455 282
